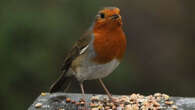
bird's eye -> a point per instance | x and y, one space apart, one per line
102 15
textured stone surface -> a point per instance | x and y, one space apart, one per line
57 101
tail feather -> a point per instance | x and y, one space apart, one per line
58 84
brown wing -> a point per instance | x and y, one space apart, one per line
71 55
75 51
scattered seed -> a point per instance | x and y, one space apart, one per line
38 105
156 104
158 98
133 97
174 107
165 96
113 107
82 103
107 107
169 102
68 100
95 98
43 94
157 94
93 105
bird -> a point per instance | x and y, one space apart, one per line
96 54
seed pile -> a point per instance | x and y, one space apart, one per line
157 101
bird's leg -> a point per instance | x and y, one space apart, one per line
106 90
83 93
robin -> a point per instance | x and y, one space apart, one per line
97 53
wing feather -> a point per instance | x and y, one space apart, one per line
78 48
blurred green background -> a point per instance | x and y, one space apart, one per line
36 34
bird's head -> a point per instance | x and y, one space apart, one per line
108 18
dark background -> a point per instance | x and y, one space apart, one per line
35 35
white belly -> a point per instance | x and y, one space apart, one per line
88 70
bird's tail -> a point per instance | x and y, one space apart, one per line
63 80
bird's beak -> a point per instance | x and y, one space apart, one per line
115 16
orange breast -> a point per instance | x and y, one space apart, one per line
109 45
